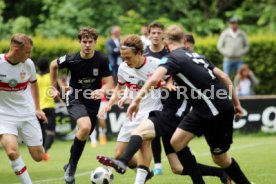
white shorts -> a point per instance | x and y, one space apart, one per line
128 126
28 131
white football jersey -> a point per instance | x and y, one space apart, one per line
16 102
134 79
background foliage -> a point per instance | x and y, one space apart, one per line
63 17
261 57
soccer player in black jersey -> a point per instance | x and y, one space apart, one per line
88 68
207 90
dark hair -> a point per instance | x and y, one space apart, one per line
87 32
155 25
190 38
133 42
43 65
21 39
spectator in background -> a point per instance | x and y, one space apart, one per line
113 49
47 104
245 81
232 45
145 36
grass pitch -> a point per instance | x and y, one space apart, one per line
256 155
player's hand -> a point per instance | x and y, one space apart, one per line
238 112
97 94
132 110
41 116
103 111
54 93
121 102
169 87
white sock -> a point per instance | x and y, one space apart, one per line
102 131
20 170
93 136
141 176
157 166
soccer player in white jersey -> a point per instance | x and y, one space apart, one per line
19 105
133 73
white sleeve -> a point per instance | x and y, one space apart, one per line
33 71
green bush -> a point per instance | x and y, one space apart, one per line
260 57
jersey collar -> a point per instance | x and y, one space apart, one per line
145 61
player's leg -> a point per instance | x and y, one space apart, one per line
102 125
219 135
187 129
156 151
119 150
10 145
50 130
144 159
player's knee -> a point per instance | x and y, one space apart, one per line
12 154
176 169
37 154
85 130
176 144
221 161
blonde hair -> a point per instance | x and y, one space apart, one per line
240 71
20 40
174 33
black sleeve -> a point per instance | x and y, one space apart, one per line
63 62
106 69
211 65
170 64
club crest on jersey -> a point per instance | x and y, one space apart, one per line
95 71
12 83
140 83
22 75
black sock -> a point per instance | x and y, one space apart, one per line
235 173
76 151
156 149
206 170
190 166
133 146
49 139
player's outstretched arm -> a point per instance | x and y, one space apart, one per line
113 99
230 87
35 94
158 75
53 78
99 93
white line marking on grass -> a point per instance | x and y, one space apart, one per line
234 148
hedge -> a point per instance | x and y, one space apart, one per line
260 57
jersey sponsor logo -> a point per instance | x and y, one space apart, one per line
62 59
131 77
140 83
95 71
3 75
12 83
163 61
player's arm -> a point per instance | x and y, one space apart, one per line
108 84
53 78
223 77
35 94
158 75
113 99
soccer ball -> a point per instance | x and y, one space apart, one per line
101 175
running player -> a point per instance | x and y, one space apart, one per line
211 116
87 69
19 105
133 73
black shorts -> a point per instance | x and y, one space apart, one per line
218 130
51 116
77 109
164 123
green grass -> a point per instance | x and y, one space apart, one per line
255 154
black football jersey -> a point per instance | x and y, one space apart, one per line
194 74
85 75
